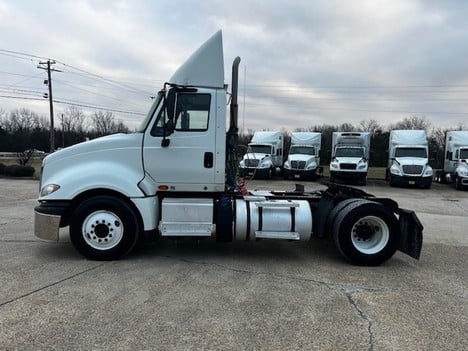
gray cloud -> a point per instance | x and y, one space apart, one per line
306 62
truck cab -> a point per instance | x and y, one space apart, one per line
408 162
303 160
177 177
350 156
455 160
264 155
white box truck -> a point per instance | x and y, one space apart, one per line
455 160
350 156
304 156
176 177
264 155
408 161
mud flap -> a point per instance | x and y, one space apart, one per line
411 233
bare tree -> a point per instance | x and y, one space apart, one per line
22 121
104 123
73 120
369 125
412 122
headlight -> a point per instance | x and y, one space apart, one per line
362 165
311 165
428 172
49 189
334 165
286 165
264 164
463 172
395 170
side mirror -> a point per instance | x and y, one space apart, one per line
165 142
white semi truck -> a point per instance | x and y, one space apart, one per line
455 160
350 156
264 155
408 162
176 177
304 156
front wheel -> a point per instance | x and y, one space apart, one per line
366 233
104 228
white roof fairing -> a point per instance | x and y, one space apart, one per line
205 67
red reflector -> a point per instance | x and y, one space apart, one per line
163 187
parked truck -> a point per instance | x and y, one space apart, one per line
176 177
350 156
304 156
408 161
264 155
455 160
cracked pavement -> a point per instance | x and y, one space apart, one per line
266 295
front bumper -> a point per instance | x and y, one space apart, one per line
351 175
299 173
48 220
252 171
407 180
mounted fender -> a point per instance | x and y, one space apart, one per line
100 174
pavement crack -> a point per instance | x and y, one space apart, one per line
15 299
364 317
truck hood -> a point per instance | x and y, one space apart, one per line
411 161
111 142
348 159
255 156
301 157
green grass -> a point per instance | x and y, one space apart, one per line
373 173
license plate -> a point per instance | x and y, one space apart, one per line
297 176
411 182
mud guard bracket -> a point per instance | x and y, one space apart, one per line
411 237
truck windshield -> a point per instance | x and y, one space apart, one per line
349 152
259 149
410 152
464 154
303 150
141 128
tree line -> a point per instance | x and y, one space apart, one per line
23 129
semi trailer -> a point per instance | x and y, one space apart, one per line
455 160
177 177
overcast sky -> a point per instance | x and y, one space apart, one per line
303 62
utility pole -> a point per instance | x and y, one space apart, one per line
46 66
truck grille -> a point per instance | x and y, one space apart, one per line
412 169
251 162
348 166
298 164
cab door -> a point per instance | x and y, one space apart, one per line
179 148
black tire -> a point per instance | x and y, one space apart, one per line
392 181
458 184
336 210
332 178
104 228
366 233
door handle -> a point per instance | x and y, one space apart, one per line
208 160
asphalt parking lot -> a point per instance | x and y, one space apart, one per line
264 295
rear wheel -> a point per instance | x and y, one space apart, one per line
104 228
366 233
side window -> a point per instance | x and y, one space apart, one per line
192 112
456 154
157 129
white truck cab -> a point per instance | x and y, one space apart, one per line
177 177
408 162
350 156
455 160
264 155
304 156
